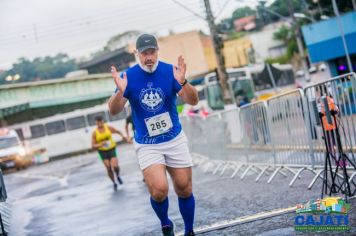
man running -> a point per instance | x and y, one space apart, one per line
151 87
102 141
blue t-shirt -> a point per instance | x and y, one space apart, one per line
152 94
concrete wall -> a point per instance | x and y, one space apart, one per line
263 41
235 52
198 51
190 46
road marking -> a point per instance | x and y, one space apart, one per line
242 220
62 180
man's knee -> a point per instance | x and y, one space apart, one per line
159 193
184 189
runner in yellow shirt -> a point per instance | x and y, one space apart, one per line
103 142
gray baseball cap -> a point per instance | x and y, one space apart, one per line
146 41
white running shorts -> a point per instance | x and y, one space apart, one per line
174 153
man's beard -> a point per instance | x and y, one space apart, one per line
148 70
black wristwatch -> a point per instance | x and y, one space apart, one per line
184 83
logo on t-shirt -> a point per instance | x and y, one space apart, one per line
151 99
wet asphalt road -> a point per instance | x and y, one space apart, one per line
75 197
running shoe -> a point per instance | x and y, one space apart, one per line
168 230
115 187
119 180
191 233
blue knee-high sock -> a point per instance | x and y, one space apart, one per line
161 209
187 208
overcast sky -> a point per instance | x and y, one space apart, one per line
31 28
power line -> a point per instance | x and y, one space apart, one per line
91 20
223 8
92 43
188 9
142 5
74 31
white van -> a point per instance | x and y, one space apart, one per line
13 154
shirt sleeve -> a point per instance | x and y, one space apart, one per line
176 86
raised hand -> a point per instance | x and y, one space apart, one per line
179 70
121 83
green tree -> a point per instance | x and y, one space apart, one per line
282 7
327 8
285 34
225 25
242 12
40 68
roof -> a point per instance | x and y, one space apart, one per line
245 20
8 111
324 41
55 81
103 58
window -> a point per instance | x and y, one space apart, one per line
215 96
91 117
237 75
20 134
9 142
243 88
201 94
55 127
76 123
120 116
37 131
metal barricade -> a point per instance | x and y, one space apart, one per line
236 158
192 126
342 90
332 107
283 134
289 121
256 133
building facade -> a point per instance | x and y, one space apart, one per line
324 42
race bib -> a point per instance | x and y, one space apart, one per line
158 124
107 144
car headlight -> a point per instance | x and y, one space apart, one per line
22 152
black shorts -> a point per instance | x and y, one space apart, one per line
107 155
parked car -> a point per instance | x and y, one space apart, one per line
313 69
300 73
322 67
13 153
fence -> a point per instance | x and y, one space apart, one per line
281 135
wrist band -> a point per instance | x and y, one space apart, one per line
184 83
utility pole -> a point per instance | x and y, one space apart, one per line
299 40
354 4
218 44
342 34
